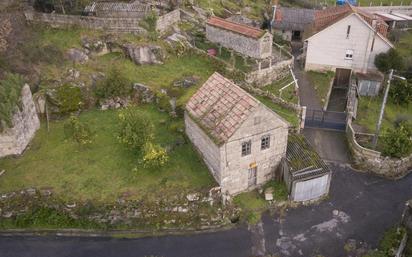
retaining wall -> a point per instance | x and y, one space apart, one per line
373 161
165 21
266 76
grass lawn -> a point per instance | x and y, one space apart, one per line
285 113
288 94
103 171
368 113
321 82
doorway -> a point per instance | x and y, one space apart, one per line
252 177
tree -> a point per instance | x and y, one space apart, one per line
10 98
389 60
136 129
401 92
397 141
116 84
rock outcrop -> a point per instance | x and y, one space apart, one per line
144 54
25 122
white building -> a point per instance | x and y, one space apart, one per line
349 39
241 140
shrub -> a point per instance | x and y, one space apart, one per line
136 129
10 97
389 60
78 131
397 141
163 102
116 84
69 98
400 92
37 53
154 156
149 23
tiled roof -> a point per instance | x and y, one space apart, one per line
242 29
293 18
219 107
328 16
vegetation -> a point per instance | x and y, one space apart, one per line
321 82
397 141
252 205
69 98
10 96
115 85
149 23
105 169
78 131
400 92
389 60
389 243
289 94
287 114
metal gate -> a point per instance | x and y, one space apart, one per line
325 119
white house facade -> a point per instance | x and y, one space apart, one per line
350 43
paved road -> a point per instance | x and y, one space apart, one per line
360 206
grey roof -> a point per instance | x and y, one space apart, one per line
293 18
303 160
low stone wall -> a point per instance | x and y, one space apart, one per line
405 9
165 21
267 76
14 140
373 161
112 24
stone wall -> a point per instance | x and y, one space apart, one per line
244 45
266 76
406 9
110 24
25 122
373 161
165 21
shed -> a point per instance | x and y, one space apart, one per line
290 23
306 176
369 83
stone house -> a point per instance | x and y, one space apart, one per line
291 23
244 39
241 140
25 123
345 38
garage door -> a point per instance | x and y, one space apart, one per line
311 189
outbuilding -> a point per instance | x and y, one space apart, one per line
240 139
244 39
369 83
307 177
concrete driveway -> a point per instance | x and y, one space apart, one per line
360 206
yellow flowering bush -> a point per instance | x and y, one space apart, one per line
154 156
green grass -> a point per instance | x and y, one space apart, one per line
103 171
321 82
288 94
368 113
285 113
252 205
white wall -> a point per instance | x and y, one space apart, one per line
326 50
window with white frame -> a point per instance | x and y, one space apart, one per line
246 148
265 142
349 54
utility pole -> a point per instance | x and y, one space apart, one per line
385 98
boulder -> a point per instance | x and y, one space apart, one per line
77 55
186 82
178 39
144 54
145 93
95 46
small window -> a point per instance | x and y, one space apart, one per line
348 31
265 142
246 148
349 54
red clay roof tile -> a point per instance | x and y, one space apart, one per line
236 27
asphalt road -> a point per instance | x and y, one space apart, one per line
360 206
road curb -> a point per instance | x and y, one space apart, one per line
131 233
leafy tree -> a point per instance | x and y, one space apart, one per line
78 131
116 84
400 92
397 141
389 60
10 97
69 98
136 129
154 156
